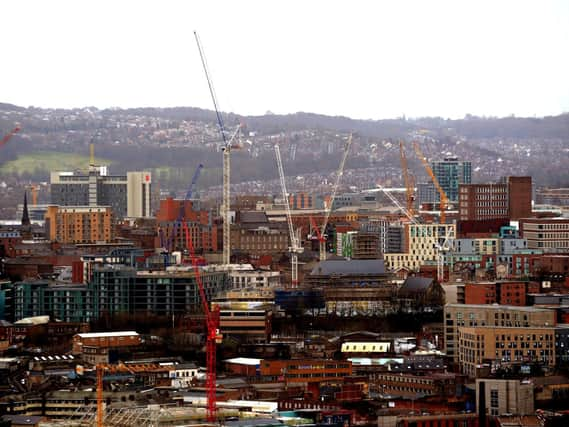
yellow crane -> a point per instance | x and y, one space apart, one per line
442 194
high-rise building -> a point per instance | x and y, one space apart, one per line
450 173
508 199
79 224
128 195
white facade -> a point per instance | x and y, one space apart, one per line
138 186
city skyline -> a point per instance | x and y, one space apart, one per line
365 61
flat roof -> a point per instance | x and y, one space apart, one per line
497 307
108 334
250 361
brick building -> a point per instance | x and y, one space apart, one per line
510 198
505 293
94 347
79 224
205 233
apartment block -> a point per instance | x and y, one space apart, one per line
474 315
421 242
504 346
548 234
79 224
125 290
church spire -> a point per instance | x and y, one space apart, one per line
25 213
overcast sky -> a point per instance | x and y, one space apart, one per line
369 60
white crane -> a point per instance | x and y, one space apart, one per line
295 247
227 147
339 174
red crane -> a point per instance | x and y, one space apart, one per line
9 135
213 335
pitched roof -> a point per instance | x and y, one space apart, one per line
347 267
416 284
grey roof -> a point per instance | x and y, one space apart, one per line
258 422
22 419
347 267
253 217
416 284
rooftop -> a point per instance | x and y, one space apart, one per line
348 267
108 334
498 307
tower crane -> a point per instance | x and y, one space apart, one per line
339 174
226 149
408 179
443 247
442 194
9 135
295 247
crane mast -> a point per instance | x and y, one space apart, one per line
339 174
295 248
226 160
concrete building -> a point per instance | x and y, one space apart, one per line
421 242
504 346
495 397
79 224
552 196
547 234
128 196
471 315
510 198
